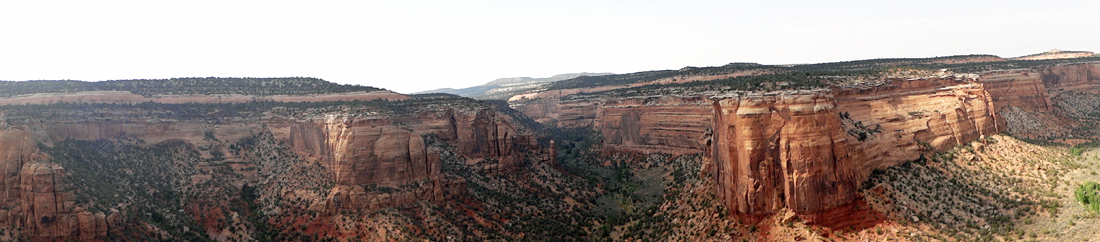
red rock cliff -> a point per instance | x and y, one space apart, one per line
375 152
784 150
35 197
1020 88
666 124
1075 77
480 134
376 160
939 112
808 150
1029 99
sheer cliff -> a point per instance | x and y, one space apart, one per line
808 151
726 153
242 171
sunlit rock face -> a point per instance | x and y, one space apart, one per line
369 161
783 150
905 116
36 198
808 150
668 124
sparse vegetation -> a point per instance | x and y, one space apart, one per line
979 195
194 85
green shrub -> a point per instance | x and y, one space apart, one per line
1089 195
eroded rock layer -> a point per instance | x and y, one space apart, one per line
784 150
370 160
669 124
36 198
905 117
808 150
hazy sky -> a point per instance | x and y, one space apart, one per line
409 46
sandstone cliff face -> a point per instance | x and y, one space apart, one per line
1029 99
578 113
1022 88
1075 77
667 124
808 150
674 125
373 160
541 110
371 153
480 134
785 150
904 114
374 152
36 198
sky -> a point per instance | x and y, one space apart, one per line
408 46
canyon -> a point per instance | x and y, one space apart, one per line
808 151
373 159
578 160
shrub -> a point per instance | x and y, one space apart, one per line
1089 195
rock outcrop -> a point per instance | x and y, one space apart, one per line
901 116
369 153
480 134
375 152
808 150
668 124
36 198
372 160
782 150
1076 77
1028 98
1022 88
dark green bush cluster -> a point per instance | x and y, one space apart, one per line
885 62
646 76
218 112
793 76
1089 195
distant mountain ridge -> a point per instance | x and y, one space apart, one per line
495 88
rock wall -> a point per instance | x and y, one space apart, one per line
1076 77
1022 88
808 150
375 152
369 153
376 160
1029 99
668 124
480 134
35 198
783 150
905 117
578 113
541 110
